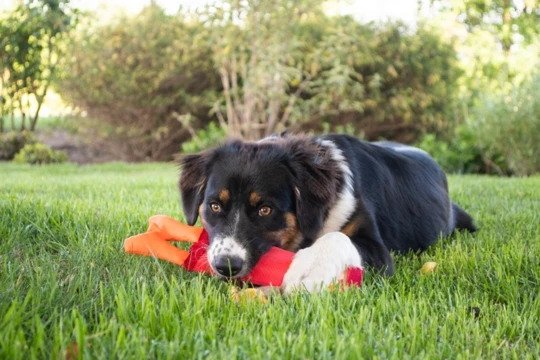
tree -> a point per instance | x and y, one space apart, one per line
284 64
257 67
31 46
149 79
254 50
506 19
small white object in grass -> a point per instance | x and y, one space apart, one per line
428 267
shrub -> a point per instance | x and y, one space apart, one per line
409 82
140 75
39 153
12 142
382 80
461 153
205 138
136 76
509 124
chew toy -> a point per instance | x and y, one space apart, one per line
162 230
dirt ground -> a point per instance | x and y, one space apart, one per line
80 150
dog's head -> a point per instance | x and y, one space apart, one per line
252 196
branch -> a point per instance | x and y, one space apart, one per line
290 104
228 100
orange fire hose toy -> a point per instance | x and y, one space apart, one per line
162 230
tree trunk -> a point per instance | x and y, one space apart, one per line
506 36
23 116
23 121
41 98
35 118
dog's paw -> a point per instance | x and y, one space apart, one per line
321 264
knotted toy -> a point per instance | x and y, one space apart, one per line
162 230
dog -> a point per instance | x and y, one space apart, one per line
335 200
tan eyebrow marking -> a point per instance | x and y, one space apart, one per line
254 198
224 196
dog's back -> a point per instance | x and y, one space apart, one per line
405 192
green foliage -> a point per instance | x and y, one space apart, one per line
65 283
282 71
461 153
402 83
259 54
38 153
139 76
145 75
508 123
506 19
12 142
501 136
31 48
205 138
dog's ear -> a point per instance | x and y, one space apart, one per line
316 179
193 179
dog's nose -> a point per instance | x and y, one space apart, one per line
228 265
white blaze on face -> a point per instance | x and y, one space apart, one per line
227 245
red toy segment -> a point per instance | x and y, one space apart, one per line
354 276
271 268
197 260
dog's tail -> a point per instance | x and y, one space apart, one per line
462 220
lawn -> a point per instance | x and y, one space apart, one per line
67 289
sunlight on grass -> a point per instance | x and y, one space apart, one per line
67 287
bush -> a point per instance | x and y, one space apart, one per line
39 153
405 82
458 155
205 138
12 142
137 76
461 153
509 124
142 74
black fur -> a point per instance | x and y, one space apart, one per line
402 201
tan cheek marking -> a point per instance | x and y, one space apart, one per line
254 198
290 237
353 225
224 196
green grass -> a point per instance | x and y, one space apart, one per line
65 282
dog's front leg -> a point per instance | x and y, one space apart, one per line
321 264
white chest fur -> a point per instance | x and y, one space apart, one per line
345 205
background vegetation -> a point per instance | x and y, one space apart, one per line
460 83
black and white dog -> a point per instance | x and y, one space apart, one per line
335 200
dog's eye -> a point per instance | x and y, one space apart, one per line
265 211
215 207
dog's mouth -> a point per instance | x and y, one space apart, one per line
230 266
234 259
